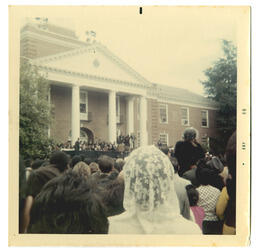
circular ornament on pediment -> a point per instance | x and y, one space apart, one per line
96 63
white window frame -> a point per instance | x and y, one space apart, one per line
207 118
167 137
182 120
166 111
84 116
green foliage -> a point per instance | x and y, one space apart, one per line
34 113
221 86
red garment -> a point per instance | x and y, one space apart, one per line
198 214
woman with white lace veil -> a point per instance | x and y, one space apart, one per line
150 202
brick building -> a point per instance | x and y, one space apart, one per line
97 95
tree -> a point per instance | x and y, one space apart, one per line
35 113
221 86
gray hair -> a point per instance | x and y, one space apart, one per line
190 134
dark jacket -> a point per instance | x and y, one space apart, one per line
187 155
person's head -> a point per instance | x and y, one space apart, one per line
75 159
193 195
204 173
121 176
224 174
94 167
166 151
114 194
215 164
119 163
190 134
45 163
60 160
69 204
82 169
230 155
149 186
37 163
83 157
106 163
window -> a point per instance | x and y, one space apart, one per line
184 117
205 141
204 116
163 113
163 137
83 101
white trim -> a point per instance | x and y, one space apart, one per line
188 104
166 111
187 117
123 65
167 137
94 82
207 118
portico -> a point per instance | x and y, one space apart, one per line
66 69
112 117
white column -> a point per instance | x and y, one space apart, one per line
112 116
130 115
143 121
75 120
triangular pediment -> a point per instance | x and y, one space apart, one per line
93 60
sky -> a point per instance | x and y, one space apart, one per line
166 45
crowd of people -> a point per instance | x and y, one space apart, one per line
152 191
123 143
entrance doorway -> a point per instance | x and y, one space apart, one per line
86 135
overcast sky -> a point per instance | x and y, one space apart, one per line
166 45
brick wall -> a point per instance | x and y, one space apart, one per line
98 106
174 127
61 100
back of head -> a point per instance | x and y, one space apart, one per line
215 164
149 186
37 163
189 134
106 163
83 157
75 159
231 163
231 155
204 173
193 195
119 163
68 204
114 194
165 150
60 160
94 167
82 169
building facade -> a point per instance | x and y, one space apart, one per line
95 95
